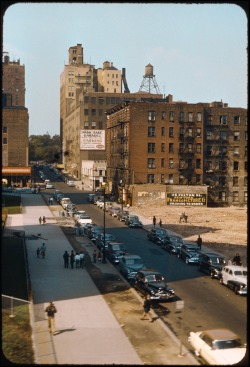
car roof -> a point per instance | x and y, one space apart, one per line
235 267
212 254
131 256
149 272
221 334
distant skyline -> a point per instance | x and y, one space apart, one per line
198 51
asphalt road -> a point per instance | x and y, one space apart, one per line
207 304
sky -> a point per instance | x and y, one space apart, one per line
198 51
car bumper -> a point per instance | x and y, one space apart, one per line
242 292
161 297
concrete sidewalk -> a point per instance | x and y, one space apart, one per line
87 332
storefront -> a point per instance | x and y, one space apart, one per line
16 176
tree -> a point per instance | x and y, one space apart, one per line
45 148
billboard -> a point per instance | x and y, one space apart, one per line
186 199
92 139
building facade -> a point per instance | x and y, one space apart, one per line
178 143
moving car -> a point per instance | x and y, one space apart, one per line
151 284
130 264
134 223
217 346
171 243
115 251
211 263
189 252
235 278
156 233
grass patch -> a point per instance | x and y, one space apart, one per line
17 345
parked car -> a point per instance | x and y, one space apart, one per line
235 278
189 252
211 263
130 264
95 230
155 233
83 219
65 201
49 185
121 215
100 240
134 223
129 217
71 183
108 204
113 210
217 346
78 213
171 243
56 192
91 197
59 197
115 251
87 228
151 283
99 202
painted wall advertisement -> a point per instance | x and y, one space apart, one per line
187 199
92 139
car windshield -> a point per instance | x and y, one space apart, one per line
134 261
154 278
225 344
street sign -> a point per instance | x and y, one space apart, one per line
179 305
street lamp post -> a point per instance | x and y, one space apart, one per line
104 227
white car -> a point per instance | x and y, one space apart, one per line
49 186
217 346
71 183
84 219
235 278
78 213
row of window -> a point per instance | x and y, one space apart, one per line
223 135
151 178
183 148
182 132
183 164
222 195
108 100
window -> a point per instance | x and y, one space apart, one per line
162 147
199 116
181 132
209 135
162 179
151 162
190 148
181 116
190 132
236 165
236 135
209 166
222 195
190 116
181 148
163 115
100 100
4 141
171 116
100 112
93 100
223 120
245 196
151 147
236 151
235 181
198 148
171 163
209 150
246 151
107 100
5 129
223 135
245 181
162 162
171 178
222 165
198 132
222 181
181 179
190 164
163 131
151 131
235 196
198 179
246 166
93 112
93 124
198 163
181 163
171 132
86 112
86 124
151 115
171 148
246 135
113 100
223 151
151 178
100 125
236 120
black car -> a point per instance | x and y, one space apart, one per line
189 252
134 223
211 263
151 284
115 251
130 264
156 233
122 214
171 243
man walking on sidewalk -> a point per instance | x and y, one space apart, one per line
146 310
51 310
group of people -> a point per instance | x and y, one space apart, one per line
50 200
73 259
154 221
42 220
40 251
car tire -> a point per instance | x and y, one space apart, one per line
186 260
235 289
221 280
211 275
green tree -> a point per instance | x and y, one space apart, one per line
45 148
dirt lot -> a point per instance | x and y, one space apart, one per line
221 229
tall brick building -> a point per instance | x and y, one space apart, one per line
178 143
15 124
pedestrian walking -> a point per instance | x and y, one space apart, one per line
199 241
40 220
160 223
43 250
72 259
94 256
146 310
81 259
66 259
38 252
99 256
154 221
51 310
44 220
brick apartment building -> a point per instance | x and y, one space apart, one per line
177 143
15 124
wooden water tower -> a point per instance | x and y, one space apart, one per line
149 83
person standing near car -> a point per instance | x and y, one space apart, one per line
199 241
154 220
146 309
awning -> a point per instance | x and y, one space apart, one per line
7 170
60 166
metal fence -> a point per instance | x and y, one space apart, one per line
12 305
